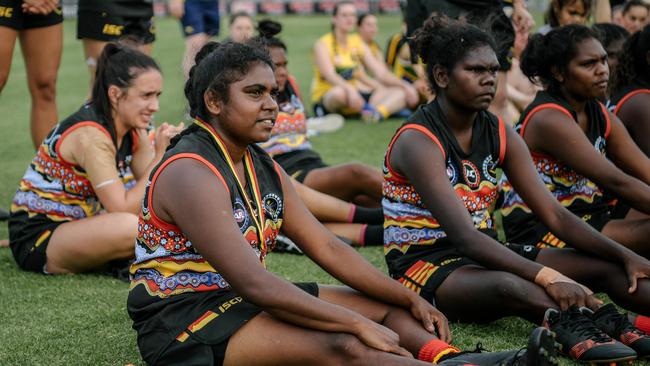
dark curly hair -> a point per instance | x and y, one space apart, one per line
118 65
610 32
216 67
443 41
633 60
268 30
554 51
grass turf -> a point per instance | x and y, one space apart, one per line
82 319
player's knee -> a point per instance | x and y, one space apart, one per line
44 90
511 287
346 349
128 226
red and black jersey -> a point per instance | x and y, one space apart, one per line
409 227
166 262
574 191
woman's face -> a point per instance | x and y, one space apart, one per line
613 51
587 74
346 18
472 83
135 105
241 29
572 13
368 28
250 113
279 58
635 19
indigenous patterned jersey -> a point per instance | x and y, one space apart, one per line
573 190
59 189
290 129
409 227
166 263
621 96
346 61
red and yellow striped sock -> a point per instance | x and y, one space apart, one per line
434 350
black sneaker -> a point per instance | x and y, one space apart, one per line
618 326
582 340
286 245
541 351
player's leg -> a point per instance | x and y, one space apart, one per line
42 48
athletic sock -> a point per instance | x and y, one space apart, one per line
364 215
434 350
371 235
383 111
642 323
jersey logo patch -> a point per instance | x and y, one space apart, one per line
239 214
451 173
471 174
272 206
490 169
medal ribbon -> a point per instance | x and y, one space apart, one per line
252 180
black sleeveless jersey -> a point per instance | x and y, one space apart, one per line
166 262
409 227
574 191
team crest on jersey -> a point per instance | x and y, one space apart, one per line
490 169
600 145
239 214
451 173
272 206
471 173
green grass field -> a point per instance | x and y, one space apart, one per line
82 319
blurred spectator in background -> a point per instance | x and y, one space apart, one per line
241 27
103 21
38 25
563 12
199 21
634 15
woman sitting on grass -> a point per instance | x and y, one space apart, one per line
200 292
439 191
579 148
341 84
87 164
290 146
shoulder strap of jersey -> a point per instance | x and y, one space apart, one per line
417 127
539 108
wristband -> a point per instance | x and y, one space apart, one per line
548 276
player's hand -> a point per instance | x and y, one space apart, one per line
432 319
637 268
163 135
176 8
355 100
566 294
381 338
521 18
40 7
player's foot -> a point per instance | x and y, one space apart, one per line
617 326
582 340
327 123
286 245
541 351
